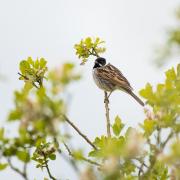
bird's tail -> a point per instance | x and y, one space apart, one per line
136 98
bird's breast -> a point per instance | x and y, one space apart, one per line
101 82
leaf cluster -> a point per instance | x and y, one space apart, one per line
43 153
89 47
33 72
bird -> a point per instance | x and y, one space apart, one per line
109 78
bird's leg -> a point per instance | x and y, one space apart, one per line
109 95
106 97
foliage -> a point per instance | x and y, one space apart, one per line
33 72
89 47
38 113
43 153
40 110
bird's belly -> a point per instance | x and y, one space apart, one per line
102 83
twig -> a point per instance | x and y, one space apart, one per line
158 137
90 161
162 146
71 161
167 140
82 158
47 168
33 83
93 53
96 54
26 78
23 174
141 169
25 170
106 101
79 132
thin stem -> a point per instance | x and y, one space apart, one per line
23 76
167 140
106 101
25 170
96 54
23 174
93 53
162 146
47 168
158 137
72 161
79 132
33 83
83 158
90 161
141 169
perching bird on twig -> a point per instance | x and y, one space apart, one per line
108 78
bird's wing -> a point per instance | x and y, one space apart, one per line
114 75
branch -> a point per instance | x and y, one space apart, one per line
93 53
72 162
96 54
26 78
141 169
106 101
167 140
162 146
83 158
23 174
25 170
79 132
47 168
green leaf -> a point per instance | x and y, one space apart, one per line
147 92
23 156
42 63
88 42
93 153
36 64
149 126
30 61
178 71
3 166
52 156
24 66
117 126
1 133
170 74
14 115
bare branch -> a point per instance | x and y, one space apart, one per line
79 132
83 158
47 168
23 174
106 101
167 140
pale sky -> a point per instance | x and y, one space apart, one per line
49 29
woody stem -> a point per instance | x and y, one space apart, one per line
106 101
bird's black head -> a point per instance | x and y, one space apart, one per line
99 62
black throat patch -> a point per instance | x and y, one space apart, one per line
96 65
